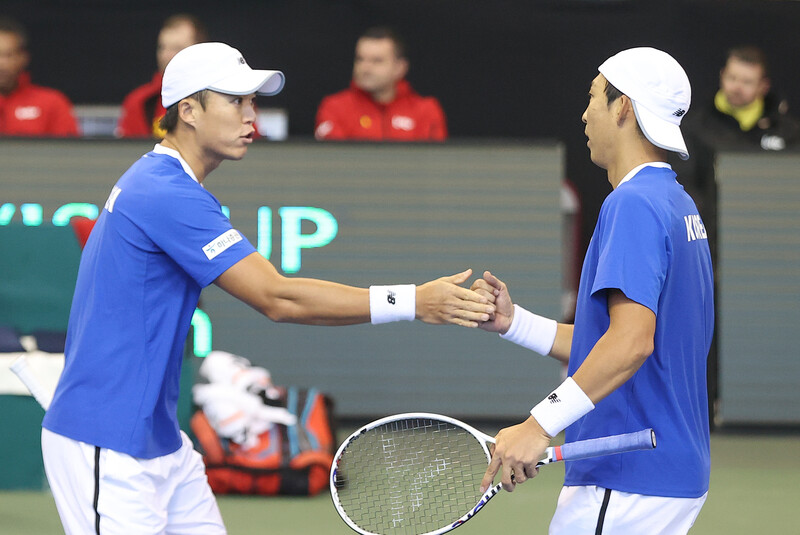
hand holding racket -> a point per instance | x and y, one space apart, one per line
419 473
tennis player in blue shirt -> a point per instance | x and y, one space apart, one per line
115 457
637 351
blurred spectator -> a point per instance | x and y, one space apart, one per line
745 112
27 109
380 104
142 110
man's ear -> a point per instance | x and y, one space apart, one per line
764 86
26 59
187 110
401 69
623 107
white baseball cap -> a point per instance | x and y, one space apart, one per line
659 89
218 67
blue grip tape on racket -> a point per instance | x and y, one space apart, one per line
640 440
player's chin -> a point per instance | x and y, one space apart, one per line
239 148
237 154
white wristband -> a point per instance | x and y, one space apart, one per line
392 303
565 405
532 331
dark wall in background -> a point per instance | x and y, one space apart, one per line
501 68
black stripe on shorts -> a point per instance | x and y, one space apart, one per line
96 488
601 519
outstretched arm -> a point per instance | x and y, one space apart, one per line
255 281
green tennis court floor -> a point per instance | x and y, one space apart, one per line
754 489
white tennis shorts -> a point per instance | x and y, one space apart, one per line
589 510
102 491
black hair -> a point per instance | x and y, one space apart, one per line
751 54
612 94
169 122
200 32
9 25
385 32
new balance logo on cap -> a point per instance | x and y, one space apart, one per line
679 113
241 60
554 398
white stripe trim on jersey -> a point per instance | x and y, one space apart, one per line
161 149
632 172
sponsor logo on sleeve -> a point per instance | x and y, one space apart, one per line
218 245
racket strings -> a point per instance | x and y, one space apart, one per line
410 476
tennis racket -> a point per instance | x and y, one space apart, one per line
420 473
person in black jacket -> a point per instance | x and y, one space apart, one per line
745 112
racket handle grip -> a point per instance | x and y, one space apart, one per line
595 447
23 371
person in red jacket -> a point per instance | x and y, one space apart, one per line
27 109
380 104
142 110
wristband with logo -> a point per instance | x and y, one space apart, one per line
565 405
392 303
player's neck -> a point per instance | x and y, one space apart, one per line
193 155
631 156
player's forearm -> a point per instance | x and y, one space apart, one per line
612 361
562 345
623 348
317 302
255 281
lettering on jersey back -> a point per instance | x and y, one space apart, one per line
695 230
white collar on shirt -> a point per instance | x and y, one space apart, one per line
632 172
161 149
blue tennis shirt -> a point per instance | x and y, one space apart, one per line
159 240
650 243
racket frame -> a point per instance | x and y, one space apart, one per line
482 438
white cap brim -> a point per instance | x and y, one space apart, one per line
218 67
659 132
246 82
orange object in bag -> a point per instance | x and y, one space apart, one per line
288 460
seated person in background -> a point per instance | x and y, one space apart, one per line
380 104
745 112
27 109
142 110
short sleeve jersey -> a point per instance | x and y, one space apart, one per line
159 240
650 243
